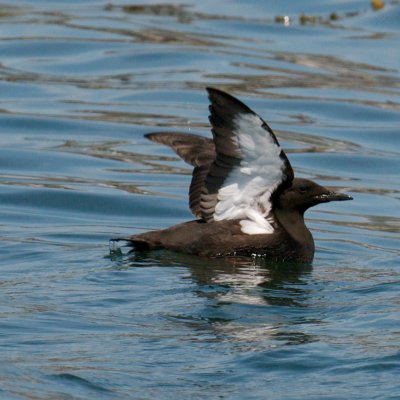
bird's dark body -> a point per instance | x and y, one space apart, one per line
225 238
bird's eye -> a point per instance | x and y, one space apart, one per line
303 189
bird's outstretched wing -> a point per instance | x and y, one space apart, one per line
238 173
249 169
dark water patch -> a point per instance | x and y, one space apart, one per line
69 380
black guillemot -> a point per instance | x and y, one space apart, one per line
243 191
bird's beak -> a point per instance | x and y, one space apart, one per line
333 196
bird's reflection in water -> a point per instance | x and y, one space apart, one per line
248 300
265 282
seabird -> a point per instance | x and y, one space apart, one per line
243 191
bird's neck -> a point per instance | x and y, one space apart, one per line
293 222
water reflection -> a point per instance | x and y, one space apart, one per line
251 302
242 280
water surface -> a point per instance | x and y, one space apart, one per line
81 82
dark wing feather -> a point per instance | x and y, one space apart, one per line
195 150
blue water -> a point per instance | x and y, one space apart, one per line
81 82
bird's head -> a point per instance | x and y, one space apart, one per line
303 194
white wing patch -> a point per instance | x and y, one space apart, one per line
246 193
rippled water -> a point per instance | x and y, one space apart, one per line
80 84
